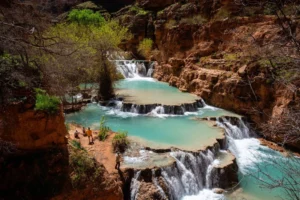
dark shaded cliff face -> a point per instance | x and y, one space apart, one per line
34 174
35 159
113 5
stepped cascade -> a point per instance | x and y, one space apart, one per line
188 149
150 100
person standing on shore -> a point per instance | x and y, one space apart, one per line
90 135
118 161
83 131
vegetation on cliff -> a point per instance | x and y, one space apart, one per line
145 47
120 141
56 57
104 130
46 103
84 168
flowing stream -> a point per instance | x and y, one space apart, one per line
194 176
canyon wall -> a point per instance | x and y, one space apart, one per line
31 130
218 50
36 160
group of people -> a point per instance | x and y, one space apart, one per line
90 136
88 133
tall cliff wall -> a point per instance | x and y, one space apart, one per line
219 50
31 130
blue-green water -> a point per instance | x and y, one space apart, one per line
182 132
161 131
148 91
260 162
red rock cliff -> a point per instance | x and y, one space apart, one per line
29 129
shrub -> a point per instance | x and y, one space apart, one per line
45 102
118 76
86 17
103 132
171 24
145 47
138 10
120 141
84 168
76 144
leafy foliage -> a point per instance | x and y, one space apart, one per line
103 132
87 45
45 102
145 47
86 17
120 141
83 166
76 144
138 10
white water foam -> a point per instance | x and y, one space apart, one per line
135 186
205 195
205 106
144 155
248 154
209 173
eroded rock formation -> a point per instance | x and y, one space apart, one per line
218 50
29 129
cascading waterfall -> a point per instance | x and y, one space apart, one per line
238 131
150 70
135 185
134 68
161 191
194 172
186 177
158 110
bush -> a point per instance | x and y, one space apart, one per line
138 10
120 141
118 76
76 144
84 168
171 24
45 102
145 47
86 17
103 132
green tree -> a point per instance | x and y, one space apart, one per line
145 47
86 17
87 43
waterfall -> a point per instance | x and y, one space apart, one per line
209 173
162 109
150 70
161 191
134 68
238 131
195 174
135 186
186 177
134 108
158 110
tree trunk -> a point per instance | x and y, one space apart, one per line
106 90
